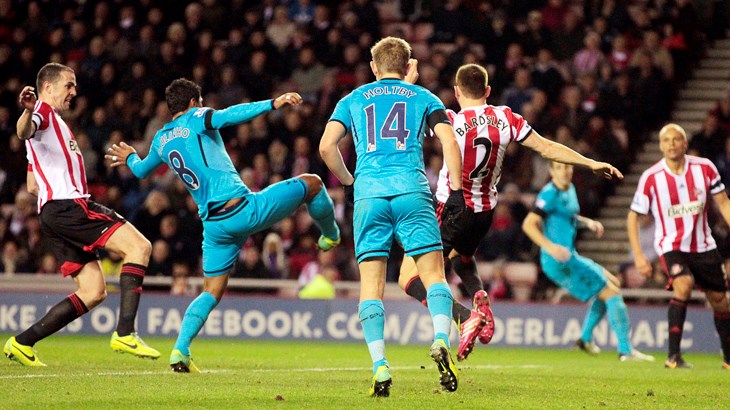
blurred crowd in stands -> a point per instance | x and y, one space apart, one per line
596 75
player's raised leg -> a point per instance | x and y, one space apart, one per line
322 211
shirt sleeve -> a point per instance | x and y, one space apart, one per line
142 168
641 203
235 114
519 128
341 113
544 203
713 175
41 117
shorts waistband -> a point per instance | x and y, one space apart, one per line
230 208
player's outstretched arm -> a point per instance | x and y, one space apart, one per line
592 225
640 260
560 153
25 127
240 113
330 153
532 227
124 154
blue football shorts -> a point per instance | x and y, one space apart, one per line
409 218
224 234
580 276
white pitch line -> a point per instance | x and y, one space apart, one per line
306 370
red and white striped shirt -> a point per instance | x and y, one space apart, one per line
679 204
55 157
483 133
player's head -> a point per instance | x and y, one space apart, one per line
561 174
182 94
472 81
56 85
673 142
390 55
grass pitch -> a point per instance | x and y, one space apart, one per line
83 372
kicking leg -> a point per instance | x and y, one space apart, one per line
322 211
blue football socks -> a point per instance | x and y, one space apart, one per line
372 319
440 303
618 318
594 315
195 316
322 211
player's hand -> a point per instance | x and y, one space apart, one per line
349 194
558 252
608 170
118 154
27 98
287 98
412 73
643 265
454 207
596 227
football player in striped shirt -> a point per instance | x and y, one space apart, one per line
676 191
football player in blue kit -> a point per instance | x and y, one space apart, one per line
192 147
388 120
553 226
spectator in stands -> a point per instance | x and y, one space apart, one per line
520 91
156 206
660 56
568 40
546 75
722 111
160 260
497 285
722 161
274 256
309 74
589 58
180 275
250 264
709 142
536 35
651 92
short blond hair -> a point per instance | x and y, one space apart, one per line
673 126
472 80
391 54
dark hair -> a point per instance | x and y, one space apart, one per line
50 72
472 79
179 93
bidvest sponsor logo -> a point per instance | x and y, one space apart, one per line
688 209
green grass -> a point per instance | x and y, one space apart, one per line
83 372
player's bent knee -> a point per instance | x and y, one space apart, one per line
92 298
314 184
